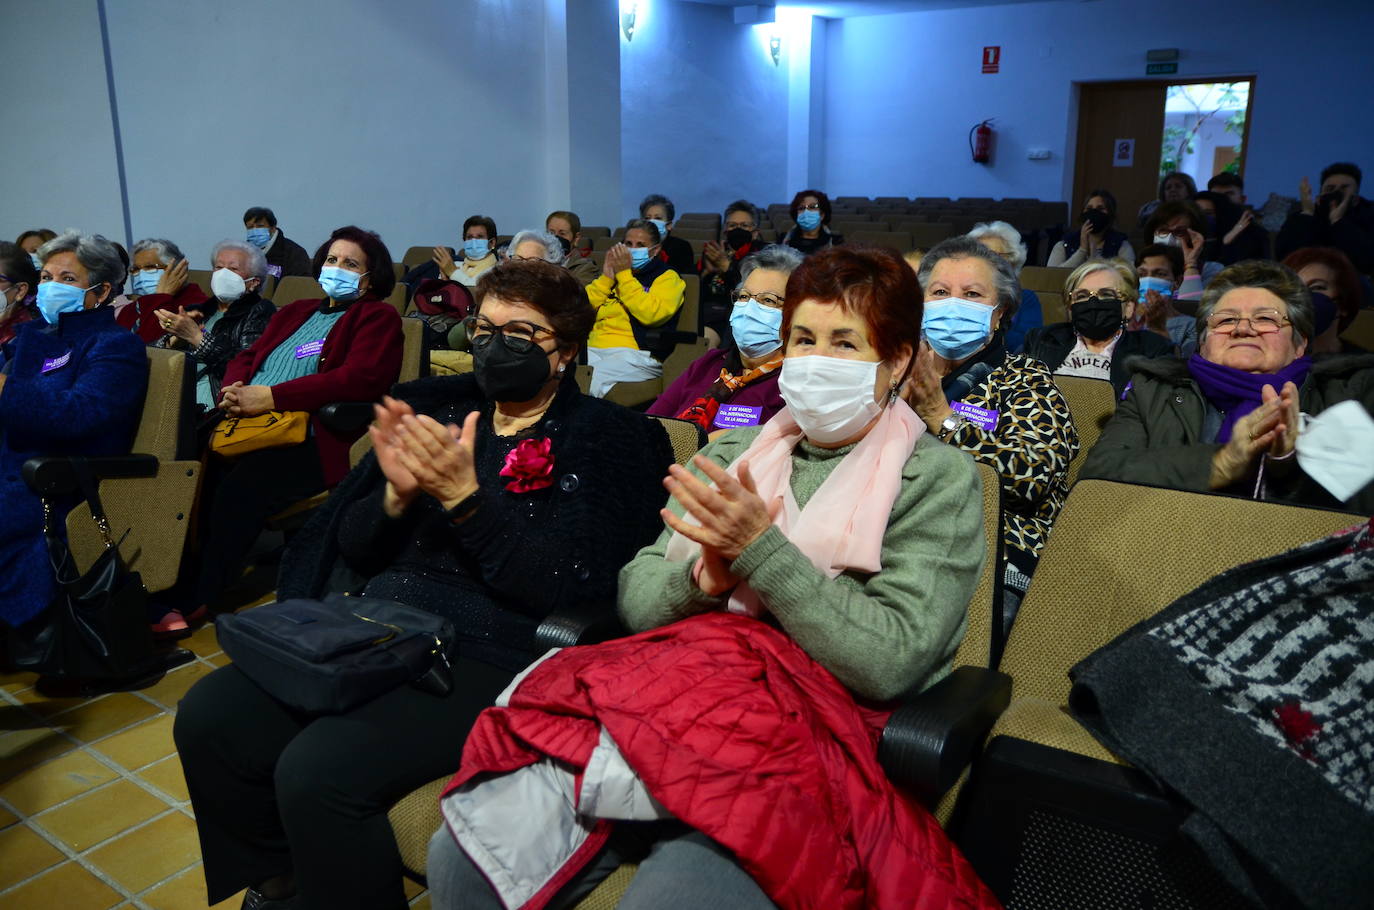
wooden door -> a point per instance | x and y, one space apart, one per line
1109 112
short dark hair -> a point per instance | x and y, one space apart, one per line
874 283
1348 168
1171 253
571 217
260 211
378 258
1107 197
1226 178
550 289
658 199
643 224
483 221
1168 211
744 205
821 198
16 266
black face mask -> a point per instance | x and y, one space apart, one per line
1096 319
566 244
1097 220
735 238
504 375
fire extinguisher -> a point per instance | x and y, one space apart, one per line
980 142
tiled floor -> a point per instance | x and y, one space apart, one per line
93 807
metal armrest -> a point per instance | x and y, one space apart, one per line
929 740
346 417
582 625
55 475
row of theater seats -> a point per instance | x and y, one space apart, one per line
1048 816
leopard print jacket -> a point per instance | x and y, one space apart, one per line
1030 447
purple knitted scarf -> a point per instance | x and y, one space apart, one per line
1235 392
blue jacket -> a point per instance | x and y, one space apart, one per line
75 391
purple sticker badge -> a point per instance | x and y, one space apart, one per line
738 415
981 417
274 271
56 363
309 349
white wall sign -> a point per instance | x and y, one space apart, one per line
1123 154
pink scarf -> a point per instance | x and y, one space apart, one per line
843 524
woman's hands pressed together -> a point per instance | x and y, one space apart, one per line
1270 429
241 400
417 454
730 518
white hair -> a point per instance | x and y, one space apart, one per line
257 261
1008 234
168 253
553 249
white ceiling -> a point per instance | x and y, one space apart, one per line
840 9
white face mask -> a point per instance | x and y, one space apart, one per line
227 285
1168 240
1333 448
831 398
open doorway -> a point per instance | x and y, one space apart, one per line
1205 126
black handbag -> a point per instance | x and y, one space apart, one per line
328 657
97 626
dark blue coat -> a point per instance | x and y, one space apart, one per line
77 390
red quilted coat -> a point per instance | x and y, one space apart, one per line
737 732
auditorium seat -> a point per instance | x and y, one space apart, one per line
593 231
1092 402
1042 278
925 236
201 279
1361 332
893 240
1049 817
1052 307
602 244
419 255
291 288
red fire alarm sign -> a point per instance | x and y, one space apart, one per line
992 59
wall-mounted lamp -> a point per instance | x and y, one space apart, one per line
775 48
628 11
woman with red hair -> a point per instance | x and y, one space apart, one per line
815 564
1337 295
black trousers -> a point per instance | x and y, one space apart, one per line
242 494
277 791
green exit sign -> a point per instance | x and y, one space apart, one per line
1160 69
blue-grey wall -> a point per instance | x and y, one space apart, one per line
904 89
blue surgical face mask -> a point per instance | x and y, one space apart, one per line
956 328
260 237
1160 286
145 280
639 256
756 328
808 220
56 298
662 228
476 248
37 263
340 284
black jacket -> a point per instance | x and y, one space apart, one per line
1352 235
290 257
1156 435
1052 343
609 465
236 331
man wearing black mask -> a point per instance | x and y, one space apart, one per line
1338 217
720 267
1095 343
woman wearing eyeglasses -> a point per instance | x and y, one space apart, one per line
736 385
492 498
810 209
1227 418
1094 343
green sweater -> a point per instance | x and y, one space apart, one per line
882 635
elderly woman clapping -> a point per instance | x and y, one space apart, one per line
1228 418
1003 409
855 533
159 279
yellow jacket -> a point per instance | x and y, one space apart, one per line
615 301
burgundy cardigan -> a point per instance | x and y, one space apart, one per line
138 316
702 374
361 361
